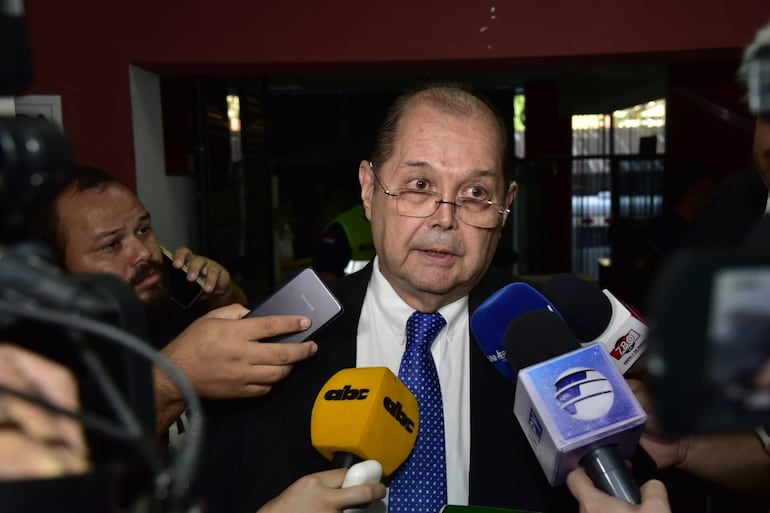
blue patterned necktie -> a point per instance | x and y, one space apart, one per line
419 485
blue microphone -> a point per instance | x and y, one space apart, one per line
574 407
491 319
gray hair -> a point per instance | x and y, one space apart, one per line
754 72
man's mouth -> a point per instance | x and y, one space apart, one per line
433 252
437 254
148 280
147 275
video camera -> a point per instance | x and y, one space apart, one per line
92 324
710 317
710 339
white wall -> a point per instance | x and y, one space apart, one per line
7 106
170 199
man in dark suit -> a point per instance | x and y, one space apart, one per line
733 210
740 201
732 468
437 196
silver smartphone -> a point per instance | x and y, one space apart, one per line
305 294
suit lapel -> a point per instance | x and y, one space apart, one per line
492 419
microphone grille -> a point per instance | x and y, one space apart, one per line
536 336
584 307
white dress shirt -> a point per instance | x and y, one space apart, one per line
381 341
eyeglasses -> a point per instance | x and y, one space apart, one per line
418 203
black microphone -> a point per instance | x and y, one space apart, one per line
573 404
596 315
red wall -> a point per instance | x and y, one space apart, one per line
707 117
82 48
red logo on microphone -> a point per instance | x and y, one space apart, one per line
625 344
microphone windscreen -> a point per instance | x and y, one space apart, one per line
596 315
536 336
490 320
367 412
583 306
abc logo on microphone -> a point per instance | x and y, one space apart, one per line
367 412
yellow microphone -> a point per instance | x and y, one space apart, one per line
365 413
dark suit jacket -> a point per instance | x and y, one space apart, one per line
261 446
735 207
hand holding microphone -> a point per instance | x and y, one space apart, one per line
654 498
575 407
321 492
365 420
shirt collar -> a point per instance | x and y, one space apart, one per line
395 311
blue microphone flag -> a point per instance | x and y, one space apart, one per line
491 319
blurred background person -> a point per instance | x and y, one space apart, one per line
346 245
741 200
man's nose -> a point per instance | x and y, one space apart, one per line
445 217
139 251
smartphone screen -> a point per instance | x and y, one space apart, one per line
183 292
305 294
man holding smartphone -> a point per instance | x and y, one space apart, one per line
95 224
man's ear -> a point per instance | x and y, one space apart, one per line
513 188
367 185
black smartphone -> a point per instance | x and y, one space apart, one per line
305 294
183 292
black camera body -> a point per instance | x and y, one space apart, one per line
709 338
37 301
